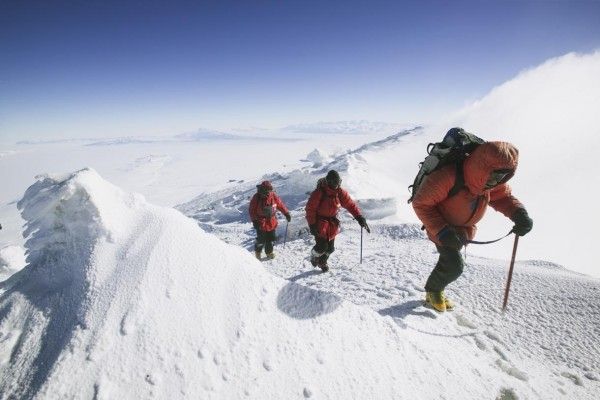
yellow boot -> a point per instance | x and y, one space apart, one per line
270 256
436 300
257 253
449 303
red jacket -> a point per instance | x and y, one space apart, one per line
263 209
463 210
322 208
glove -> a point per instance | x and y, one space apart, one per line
448 237
363 223
523 223
313 229
288 217
256 225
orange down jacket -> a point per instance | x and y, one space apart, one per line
463 210
322 208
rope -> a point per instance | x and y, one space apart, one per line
489 241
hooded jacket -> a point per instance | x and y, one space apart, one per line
264 208
322 208
463 210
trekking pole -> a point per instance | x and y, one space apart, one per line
510 271
285 235
361 235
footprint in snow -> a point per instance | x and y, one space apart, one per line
125 325
511 370
480 344
267 365
507 394
501 353
575 379
418 288
461 320
591 376
492 336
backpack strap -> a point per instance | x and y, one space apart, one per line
324 195
459 181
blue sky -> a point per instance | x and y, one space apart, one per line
91 69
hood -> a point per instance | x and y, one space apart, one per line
266 198
322 184
265 185
486 158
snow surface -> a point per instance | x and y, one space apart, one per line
318 158
12 259
123 299
550 319
103 307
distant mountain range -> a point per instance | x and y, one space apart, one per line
202 134
346 127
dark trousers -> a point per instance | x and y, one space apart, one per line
264 240
323 248
449 267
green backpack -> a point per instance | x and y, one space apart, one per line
453 149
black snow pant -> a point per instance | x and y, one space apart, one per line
449 267
264 239
323 248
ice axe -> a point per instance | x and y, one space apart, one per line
361 235
361 238
285 235
510 272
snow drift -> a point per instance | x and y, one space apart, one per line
317 158
122 299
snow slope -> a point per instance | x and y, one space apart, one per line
122 299
550 321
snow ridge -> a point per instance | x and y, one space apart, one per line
122 299
344 127
48 302
230 205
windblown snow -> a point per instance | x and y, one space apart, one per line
551 114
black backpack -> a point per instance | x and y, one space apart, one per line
453 149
